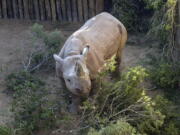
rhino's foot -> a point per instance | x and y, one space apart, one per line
74 109
74 106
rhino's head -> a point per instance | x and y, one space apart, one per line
75 72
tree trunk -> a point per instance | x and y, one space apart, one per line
178 32
80 10
74 10
85 7
0 11
58 7
99 6
69 15
92 8
42 9
4 5
20 9
48 9
53 10
26 11
178 24
15 9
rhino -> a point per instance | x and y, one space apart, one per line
85 52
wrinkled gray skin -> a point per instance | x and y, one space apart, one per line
85 52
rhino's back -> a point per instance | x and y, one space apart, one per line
102 33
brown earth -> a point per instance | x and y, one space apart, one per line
16 43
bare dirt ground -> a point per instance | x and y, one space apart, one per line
15 43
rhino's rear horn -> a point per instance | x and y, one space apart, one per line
79 69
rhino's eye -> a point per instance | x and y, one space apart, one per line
68 80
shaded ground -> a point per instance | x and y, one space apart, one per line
15 43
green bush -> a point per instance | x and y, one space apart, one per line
171 125
54 39
21 80
133 14
123 99
165 75
5 130
42 56
38 30
31 107
163 22
155 4
120 128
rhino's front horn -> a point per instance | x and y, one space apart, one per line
58 59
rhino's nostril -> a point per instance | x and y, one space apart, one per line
78 90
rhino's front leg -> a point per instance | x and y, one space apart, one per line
74 106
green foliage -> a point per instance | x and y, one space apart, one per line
38 30
158 4
123 99
170 110
54 39
165 75
164 105
31 106
171 129
163 22
22 80
155 4
109 66
5 130
120 128
42 56
132 13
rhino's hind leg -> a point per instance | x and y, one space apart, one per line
123 39
118 63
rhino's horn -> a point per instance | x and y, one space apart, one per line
85 51
79 69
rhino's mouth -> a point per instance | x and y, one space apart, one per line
80 92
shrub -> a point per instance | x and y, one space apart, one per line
163 23
170 110
17 82
31 106
42 55
155 4
165 75
5 130
129 12
123 99
120 128
38 31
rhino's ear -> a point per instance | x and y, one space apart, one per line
85 51
58 59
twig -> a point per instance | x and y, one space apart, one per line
70 131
